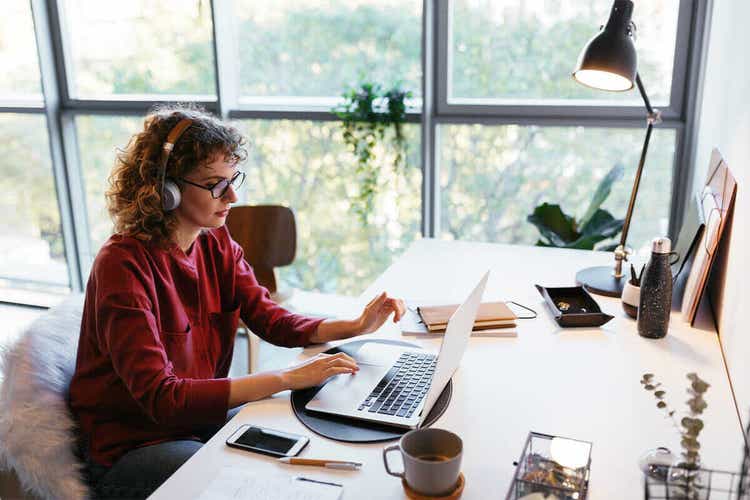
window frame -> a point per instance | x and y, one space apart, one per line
435 109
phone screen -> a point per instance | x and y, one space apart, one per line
265 439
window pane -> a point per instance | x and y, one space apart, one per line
18 56
140 47
304 48
98 140
31 240
527 50
492 177
305 166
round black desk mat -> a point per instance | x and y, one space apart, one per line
352 430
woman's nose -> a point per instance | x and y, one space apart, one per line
230 195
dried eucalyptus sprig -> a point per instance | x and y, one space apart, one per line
690 425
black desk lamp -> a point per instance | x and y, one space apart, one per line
609 62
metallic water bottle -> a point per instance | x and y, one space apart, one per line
656 292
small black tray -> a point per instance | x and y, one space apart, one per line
582 309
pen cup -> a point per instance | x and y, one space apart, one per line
631 295
432 460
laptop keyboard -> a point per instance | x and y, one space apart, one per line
401 390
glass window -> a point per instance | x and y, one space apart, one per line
317 48
31 240
492 177
18 55
305 165
140 47
99 137
526 50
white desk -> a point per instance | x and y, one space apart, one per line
579 383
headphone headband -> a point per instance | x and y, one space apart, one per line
167 148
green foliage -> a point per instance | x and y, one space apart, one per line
490 177
689 425
561 230
366 115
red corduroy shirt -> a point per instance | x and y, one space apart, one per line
157 336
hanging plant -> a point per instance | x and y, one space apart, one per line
367 114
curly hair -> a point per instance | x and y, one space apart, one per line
134 195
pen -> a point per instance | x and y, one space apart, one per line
331 464
300 478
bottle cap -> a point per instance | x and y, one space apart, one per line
661 245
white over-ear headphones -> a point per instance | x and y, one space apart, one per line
170 192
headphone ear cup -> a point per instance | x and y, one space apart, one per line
170 196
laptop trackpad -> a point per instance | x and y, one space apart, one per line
347 391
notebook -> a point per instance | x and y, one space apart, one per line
235 483
411 323
491 315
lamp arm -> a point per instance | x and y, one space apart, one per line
636 184
643 94
654 116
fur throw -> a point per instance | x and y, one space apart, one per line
37 430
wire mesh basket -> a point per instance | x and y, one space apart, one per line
679 483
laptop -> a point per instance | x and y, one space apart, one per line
395 385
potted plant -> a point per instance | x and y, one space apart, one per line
684 479
559 229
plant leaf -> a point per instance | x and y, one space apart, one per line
690 444
585 242
553 224
602 192
699 386
697 404
603 224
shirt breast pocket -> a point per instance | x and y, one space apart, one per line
180 350
223 331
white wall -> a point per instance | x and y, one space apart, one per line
724 122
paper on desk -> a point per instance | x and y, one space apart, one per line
234 483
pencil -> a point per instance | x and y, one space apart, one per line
320 462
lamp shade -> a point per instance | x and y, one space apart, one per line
609 60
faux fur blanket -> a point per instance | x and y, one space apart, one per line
36 428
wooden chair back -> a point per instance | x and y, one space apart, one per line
268 236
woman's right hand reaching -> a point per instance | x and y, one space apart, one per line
317 370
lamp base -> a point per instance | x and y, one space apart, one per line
599 280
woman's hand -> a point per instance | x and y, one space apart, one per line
378 310
373 316
317 370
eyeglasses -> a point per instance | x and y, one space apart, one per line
220 188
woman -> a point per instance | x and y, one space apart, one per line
162 305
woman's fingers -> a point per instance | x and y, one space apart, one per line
396 306
376 299
335 370
346 363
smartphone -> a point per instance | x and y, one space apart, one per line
267 441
